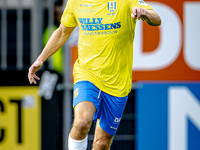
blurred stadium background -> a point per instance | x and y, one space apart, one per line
163 109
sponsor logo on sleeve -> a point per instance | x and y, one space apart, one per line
142 3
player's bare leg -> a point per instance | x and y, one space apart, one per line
102 140
83 113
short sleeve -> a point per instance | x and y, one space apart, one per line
68 18
138 3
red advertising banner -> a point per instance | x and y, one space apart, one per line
170 52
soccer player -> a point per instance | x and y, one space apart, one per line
103 71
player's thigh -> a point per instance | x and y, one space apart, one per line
83 113
85 101
102 140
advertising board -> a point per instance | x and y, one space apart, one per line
20 118
168 116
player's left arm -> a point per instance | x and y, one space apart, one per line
147 15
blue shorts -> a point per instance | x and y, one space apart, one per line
109 108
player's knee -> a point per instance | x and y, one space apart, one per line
82 124
101 144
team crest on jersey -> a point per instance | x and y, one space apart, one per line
112 6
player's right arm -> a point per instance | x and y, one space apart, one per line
56 41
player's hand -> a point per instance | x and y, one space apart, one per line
32 70
138 12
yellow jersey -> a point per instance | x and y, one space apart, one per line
105 48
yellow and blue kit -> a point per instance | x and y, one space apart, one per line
103 71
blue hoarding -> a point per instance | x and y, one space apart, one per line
168 116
